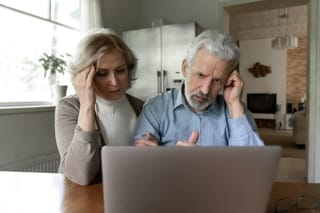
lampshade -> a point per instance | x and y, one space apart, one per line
284 42
278 43
291 42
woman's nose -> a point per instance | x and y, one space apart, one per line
113 80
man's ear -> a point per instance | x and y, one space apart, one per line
184 68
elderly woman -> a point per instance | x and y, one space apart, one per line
101 112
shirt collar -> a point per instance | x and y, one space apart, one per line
180 101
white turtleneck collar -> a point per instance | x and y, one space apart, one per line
116 120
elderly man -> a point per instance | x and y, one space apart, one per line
198 113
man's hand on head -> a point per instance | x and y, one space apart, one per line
232 94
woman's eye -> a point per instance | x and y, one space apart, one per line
122 70
101 73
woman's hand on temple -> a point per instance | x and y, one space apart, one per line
84 86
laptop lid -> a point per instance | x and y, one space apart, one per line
188 180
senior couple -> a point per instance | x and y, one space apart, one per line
205 111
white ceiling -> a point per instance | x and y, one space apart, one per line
268 23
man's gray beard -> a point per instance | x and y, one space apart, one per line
195 105
198 106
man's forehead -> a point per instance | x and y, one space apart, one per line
217 69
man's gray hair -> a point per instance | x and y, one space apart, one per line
218 44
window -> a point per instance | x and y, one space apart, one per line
29 28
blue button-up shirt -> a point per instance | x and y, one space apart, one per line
169 119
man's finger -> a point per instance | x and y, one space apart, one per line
185 144
146 143
193 137
150 137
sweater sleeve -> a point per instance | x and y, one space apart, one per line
79 151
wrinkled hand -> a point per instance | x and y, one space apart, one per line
192 141
84 86
232 94
149 141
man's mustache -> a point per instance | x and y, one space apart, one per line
201 95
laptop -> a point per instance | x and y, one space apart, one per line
188 179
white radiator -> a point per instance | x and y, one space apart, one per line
44 163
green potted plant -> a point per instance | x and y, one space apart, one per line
54 67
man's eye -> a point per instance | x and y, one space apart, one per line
217 81
200 75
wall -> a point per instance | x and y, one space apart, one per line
26 135
120 15
133 14
260 50
297 72
179 11
289 74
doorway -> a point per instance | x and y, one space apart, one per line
254 6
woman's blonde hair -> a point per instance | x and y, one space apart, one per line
95 44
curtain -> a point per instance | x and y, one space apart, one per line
91 17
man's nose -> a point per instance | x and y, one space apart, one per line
206 86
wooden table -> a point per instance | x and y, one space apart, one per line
53 193
291 190
47 193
